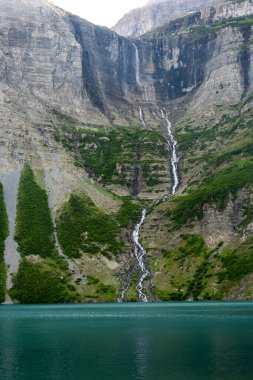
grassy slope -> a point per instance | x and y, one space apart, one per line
110 155
217 163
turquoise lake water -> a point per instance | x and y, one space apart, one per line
159 341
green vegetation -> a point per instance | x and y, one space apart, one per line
182 272
245 150
216 26
247 214
192 245
237 262
64 118
215 189
83 227
3 236
92 280
203 274
34 228
166 295
129 212
110 156
106 292
43 282
97 290
187 139
2 280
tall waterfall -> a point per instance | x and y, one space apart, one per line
140 255
174 158
137 65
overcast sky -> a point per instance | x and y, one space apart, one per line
101 12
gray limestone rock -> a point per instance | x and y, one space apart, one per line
155 14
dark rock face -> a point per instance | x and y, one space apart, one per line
100 73
245 57
179 64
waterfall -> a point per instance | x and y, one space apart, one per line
174 158
142 118
140 254
137 65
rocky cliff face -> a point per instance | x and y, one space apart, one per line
72 65
155 14
39 53
64 61
83 107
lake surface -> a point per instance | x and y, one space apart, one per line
159 341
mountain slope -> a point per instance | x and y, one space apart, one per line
83 122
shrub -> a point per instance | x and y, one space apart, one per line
129 212
237 263
193 245
37 283
83 227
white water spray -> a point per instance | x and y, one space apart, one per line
174 158
140 254
142 118
137 64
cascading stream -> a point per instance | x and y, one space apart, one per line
140 254
174 158
142 118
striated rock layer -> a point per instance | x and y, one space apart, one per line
156 14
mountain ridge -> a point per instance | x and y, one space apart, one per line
156 14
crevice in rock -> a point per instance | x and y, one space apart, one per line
89 81
245 58
136 183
